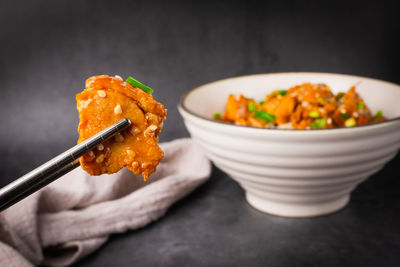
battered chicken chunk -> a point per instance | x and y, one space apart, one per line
304 106
105 101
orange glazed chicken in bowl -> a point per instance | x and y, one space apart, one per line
305 106
298 143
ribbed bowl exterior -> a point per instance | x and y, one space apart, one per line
295 173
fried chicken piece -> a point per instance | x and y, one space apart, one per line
304 106
285 109
105 101
351 108
236 109
316 105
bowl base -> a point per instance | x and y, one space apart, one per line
297 210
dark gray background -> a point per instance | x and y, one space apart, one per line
49 48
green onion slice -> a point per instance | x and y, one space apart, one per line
140 85
264 115
320 123
282 92
252 107
314 114
262 103
379 114
350 122
360 105
344 115
217 115
339 96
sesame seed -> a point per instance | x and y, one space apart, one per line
119 137
152 127
150 130
100 147
83 104
135 165
118 109
89 83
283 126
130 152
118 77
134 130
91 153
100 158
145 165
329 121
101 93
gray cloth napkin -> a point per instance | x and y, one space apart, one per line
74 215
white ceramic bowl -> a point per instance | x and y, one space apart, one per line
294 173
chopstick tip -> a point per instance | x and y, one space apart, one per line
129 121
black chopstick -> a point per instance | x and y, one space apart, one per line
54 168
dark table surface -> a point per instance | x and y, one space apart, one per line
214 226
48 48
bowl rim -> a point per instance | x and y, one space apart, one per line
182 107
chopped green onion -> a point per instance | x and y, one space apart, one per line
262 103
339 96
314 114
264 115
217 115
379 114
252 107
140 85
360 105
344 115
350 122
261 114
320 123
282 92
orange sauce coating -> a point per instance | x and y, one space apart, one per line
305 106
105 101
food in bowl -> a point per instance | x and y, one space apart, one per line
105 101
304 106
294 173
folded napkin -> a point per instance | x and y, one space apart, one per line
74 215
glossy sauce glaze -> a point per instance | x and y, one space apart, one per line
305 106
107 100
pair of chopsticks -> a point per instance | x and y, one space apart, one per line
54 168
